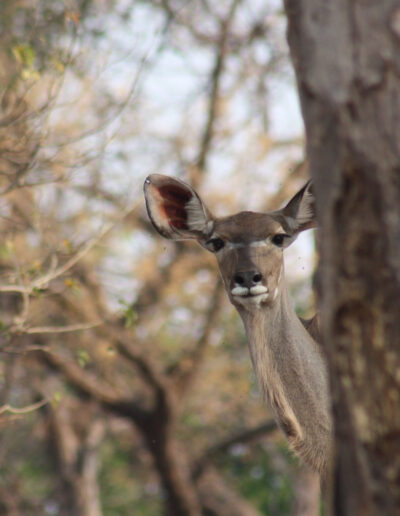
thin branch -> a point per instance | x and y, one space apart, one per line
215 90
43 281
143 364
22 183
62 329
156 380
218 497
121 107
14 288
245 436
89 384
185 375
155 286
81 379
288 186
23 410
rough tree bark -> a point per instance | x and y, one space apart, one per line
346 55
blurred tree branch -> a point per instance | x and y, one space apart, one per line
216 74
22 410
184 374
244 437
221 499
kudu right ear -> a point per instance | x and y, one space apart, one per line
175 209
299 212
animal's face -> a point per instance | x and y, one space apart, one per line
249 250
248 246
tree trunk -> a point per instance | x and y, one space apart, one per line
346 55
77 456
170 461
89 489
306 489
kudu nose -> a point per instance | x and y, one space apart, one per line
247 278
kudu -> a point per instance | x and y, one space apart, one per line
249 249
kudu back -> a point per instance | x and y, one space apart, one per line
249 246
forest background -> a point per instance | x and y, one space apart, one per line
125 382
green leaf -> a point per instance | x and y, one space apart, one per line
24 54
129 314
37 291
57 397
82 357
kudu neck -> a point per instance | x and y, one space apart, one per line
292 376
273 318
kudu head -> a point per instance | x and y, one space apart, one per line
248 246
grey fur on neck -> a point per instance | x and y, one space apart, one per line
292 376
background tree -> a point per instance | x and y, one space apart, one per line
125 379
346 56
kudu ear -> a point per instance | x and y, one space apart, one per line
299 213
175 209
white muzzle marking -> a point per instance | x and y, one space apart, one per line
239 291
258 289
254 295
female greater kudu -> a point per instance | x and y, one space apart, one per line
249 246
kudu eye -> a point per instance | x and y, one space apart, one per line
279 239
216 244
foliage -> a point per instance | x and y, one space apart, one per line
259 478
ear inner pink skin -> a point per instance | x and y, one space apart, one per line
175 194
174 201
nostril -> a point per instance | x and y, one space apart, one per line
238 279
257 277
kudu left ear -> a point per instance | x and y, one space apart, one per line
299 213
175 209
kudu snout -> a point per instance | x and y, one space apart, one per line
246 279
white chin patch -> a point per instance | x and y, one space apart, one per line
255 300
